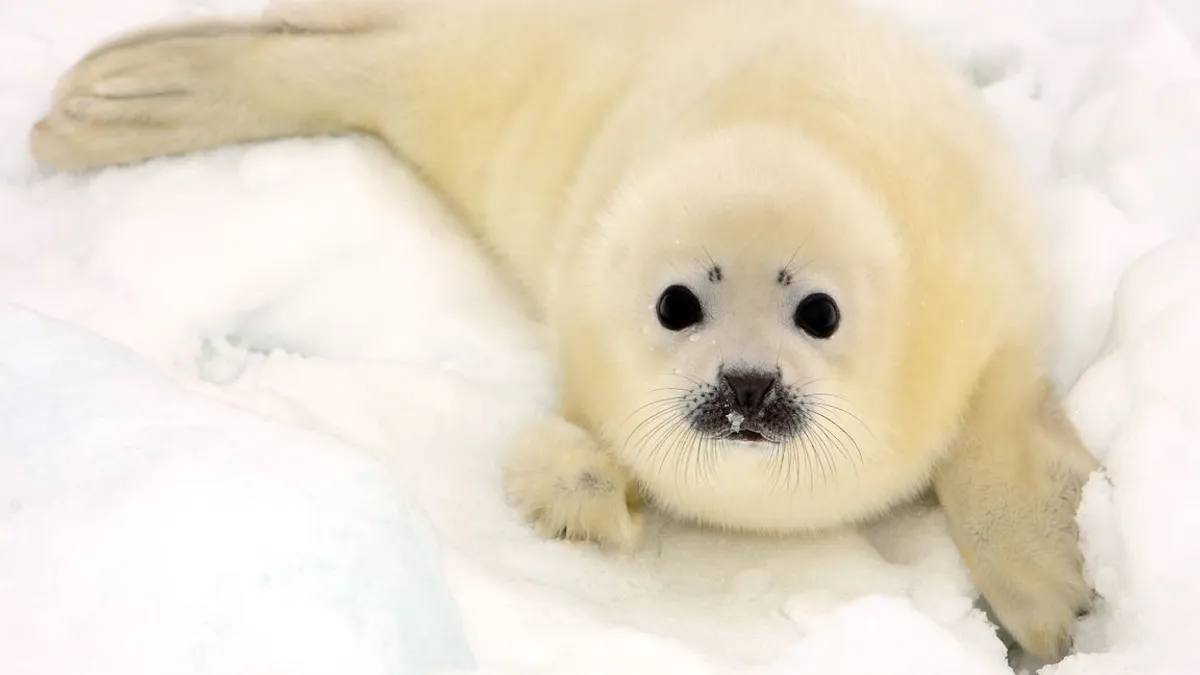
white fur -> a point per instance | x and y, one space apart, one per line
607 148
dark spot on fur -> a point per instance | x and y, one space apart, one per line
715 274
784 278
590 482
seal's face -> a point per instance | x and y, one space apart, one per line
751 333
748 398
748 345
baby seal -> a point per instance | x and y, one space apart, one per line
787 256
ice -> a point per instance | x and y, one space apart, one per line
239 370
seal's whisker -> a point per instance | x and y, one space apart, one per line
828 420
701 384
808 461
821 453
844 411
779 466
670 400
827 442
660 420
662 431
711 450
665 416
824 408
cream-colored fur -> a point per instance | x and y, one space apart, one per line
756 151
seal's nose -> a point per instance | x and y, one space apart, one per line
750 388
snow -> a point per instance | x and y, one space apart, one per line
238 386
212 540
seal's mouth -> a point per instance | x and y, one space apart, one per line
747 436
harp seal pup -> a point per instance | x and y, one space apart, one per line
788 259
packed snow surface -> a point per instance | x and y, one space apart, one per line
243 393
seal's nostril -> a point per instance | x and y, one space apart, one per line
750 388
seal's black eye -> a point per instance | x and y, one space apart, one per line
817 315
678 308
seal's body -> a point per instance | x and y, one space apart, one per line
791 268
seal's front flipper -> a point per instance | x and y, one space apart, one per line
1010 488
568 487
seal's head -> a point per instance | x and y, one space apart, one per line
750 313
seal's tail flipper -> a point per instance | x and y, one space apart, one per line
202 84
447 85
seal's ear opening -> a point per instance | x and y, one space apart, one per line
1010 487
